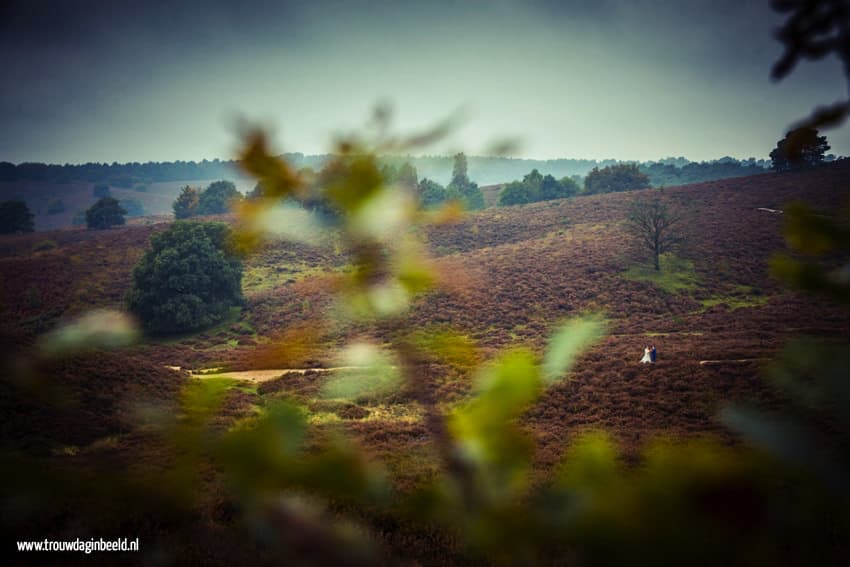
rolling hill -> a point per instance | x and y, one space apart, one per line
509 276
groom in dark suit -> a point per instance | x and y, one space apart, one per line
652 354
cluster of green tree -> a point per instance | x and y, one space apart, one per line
801 148
123 175
486 170
460 188
615 178
216 199
404 175
666 174
537 187
188 279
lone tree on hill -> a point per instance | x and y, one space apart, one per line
216 199
654 226
15 217
104 214
186 203
799 149
189 278
615 178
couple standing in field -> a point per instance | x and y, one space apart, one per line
649 355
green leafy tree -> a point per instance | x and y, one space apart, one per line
15 217
654 225
615 178
431 193
186 204
189 279
799 149
104 214
460 174
551 188
533 180
217 198
461 188
515 193
536 187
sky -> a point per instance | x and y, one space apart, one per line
163 80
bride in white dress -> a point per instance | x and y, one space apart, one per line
646 357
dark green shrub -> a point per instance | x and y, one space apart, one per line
15 216
104 214
188 280
216 198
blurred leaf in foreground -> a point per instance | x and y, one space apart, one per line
98 329
569 341
367 373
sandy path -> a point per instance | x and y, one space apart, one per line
266 375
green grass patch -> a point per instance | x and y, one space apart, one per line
733 302
677 275
736 297
262 277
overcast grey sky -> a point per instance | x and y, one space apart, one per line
628 79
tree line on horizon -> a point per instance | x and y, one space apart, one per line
486 170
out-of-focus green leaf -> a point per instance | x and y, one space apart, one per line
810 277
570 340
257 456
369 373
352 182
383 214
457 349
389 298
592 461
290 222
278 179
817 375
788 441
811 233
485 431
411 267
98 329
